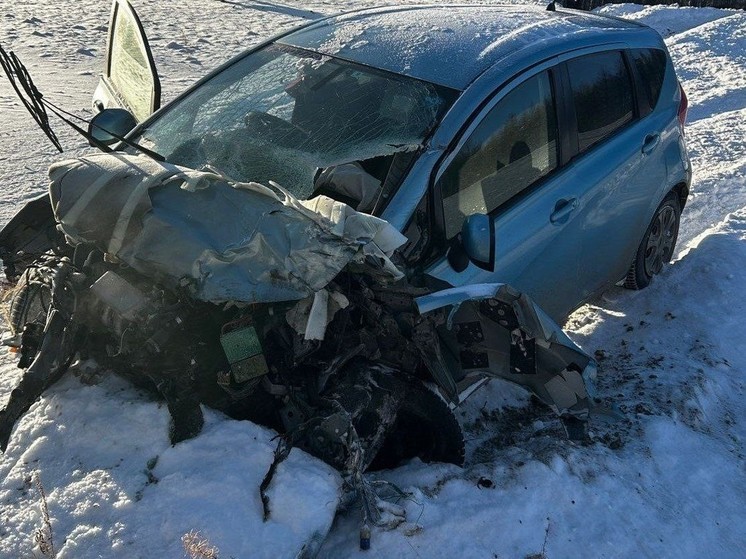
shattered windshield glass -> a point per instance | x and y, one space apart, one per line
312 123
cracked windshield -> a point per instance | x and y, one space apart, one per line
304 121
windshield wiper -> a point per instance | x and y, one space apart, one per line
37 106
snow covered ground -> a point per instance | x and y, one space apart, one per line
667 480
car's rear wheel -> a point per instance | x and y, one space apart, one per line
656 248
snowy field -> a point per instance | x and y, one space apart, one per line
666 480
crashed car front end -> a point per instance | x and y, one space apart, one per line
297 314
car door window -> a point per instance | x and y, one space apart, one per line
651 69
131 70
602 95
512 147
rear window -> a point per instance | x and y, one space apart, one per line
650 65
602 94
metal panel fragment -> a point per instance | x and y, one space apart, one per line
517 341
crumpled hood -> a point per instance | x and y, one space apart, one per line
226 241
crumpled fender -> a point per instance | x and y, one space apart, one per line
501 332
224 240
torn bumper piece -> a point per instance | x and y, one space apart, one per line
500 332
224 240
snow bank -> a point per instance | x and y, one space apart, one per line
117 488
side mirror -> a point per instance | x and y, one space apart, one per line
478 238
110 123
476 243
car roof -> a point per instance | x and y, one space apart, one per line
450 45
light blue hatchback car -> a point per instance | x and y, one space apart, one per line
512 145
521 160
543 149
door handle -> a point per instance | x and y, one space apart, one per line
562 210
651 142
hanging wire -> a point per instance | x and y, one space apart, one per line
37 106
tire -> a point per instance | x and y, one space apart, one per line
657 246
425 428
29 302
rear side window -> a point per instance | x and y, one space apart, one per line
602 94
650 65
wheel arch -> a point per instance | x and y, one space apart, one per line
29 234
682 192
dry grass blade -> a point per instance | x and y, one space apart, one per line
197 546
43 536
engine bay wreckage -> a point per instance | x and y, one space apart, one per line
297 314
